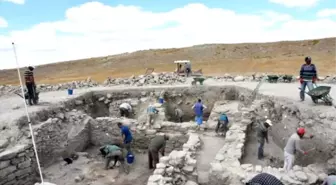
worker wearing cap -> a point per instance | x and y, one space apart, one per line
262 135
222 124
292 146
151 111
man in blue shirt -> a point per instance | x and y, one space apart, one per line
198 110
127 136
222 124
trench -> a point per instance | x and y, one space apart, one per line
211 144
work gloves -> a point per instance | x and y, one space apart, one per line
314 79
305 153
301 80
311 136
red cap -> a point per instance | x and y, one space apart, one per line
301 131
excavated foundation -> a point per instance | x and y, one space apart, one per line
86 122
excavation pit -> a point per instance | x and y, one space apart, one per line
90 120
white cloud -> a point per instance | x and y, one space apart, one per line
20 2
296 3
3 22
94 29
326 12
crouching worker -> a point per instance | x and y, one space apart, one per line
179 114
125 110
222 125
113 152
158 143
264 179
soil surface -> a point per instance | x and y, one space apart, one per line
89 170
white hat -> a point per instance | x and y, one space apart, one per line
268 121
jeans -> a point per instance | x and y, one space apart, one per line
31 93
303 88
261 150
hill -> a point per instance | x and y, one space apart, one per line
284 57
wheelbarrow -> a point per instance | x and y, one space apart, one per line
320 93
198 79
272 78
287 78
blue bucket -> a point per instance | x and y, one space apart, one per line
130 158
70 91
161 100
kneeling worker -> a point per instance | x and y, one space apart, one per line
125 109
111 152
158 143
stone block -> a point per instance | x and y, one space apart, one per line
6 171
4 164
23 172
24 164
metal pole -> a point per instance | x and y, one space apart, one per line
29 122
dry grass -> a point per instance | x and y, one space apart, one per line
279 57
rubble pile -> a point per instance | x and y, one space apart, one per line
179 167
151 79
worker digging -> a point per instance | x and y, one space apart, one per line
113 152
127 137
125 109
292 147
222 125
262 135
156 145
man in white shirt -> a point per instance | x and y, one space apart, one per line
125 109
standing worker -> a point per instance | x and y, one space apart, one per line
198 110
179 114
127 137
331 179
264 179
292 146
30 84
158 143
151 111
187 68
262 135
111 152
222 125
125 109
308 76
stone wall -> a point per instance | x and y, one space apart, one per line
179 167
67 132
17 166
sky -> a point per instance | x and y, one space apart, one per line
51 31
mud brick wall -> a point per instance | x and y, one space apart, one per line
17 166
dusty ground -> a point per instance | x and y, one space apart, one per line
215 59
90 171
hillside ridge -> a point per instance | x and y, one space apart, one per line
284 57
